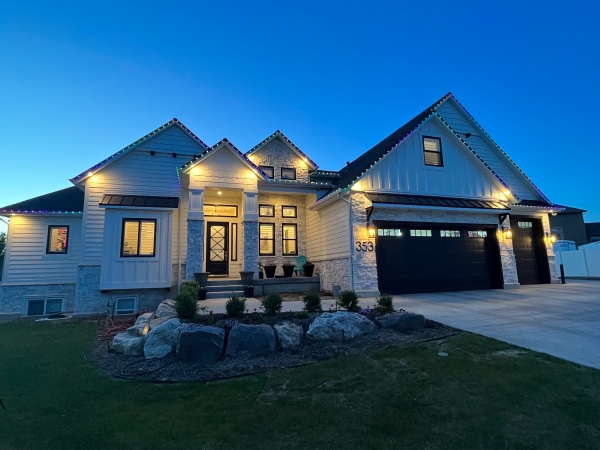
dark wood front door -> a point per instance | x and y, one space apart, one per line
217 249
530 251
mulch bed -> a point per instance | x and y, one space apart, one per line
171 370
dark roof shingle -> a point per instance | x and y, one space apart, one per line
68 200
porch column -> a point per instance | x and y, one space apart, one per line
250 231
507 257
195 234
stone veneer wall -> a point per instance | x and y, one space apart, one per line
195 248
334 271
364 264
507 256
278 201
278 155
13 299
249 238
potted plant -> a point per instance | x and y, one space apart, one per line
246 276
260 270
201 293
308 269
288 269
270 270
201 277
248 290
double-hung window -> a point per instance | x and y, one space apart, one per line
138 237
432 151
290 239
266 244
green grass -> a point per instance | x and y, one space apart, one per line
480 396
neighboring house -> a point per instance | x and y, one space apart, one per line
592 231
568 225
435 206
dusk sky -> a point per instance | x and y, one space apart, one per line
80 82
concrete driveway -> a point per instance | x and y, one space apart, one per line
561 320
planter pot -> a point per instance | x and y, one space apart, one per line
201 277
201 294
260 275
248 291
270 271
288 270
308 269
246 276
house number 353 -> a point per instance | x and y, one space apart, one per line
364 246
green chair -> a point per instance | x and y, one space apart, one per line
299 263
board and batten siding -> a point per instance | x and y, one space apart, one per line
139 173
328 232
26 261
493 157
403 170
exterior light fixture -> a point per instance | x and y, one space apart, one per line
507 233
219 193
371 230
550 238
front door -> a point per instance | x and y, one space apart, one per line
217 250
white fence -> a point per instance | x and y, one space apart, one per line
584 262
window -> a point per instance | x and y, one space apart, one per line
432 151
125 305
289 211
290 239
449 233
138 237
58 237
234 241
268 170
477 234
220 210
266 240
44 306
266 210
288 173
389 232
524 224
420 233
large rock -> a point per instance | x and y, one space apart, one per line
200 343
162 340
138 328
290 335
402 321
129 344
340 326
166 309
249 341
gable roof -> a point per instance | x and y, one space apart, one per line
130 147
64 201
188 165
290 144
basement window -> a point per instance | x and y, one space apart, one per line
432 151
44 306
125 305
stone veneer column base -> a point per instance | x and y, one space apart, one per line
195 248
512 286
250 243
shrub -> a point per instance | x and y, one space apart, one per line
186 300
348 300
272 303
235 306
312 302
384 303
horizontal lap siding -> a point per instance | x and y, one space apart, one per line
499 164
328 232
27 261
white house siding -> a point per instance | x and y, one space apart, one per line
328 243
403 169
26 261
492 156
276 153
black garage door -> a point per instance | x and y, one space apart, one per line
426 257
530 251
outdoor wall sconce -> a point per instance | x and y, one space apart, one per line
550 238
371 230
507 233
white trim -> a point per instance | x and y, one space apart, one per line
29 298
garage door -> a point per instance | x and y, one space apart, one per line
425 257
530 251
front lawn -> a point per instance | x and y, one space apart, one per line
484 394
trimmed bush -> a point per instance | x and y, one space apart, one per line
384 303
312 302
272 303
185 302
348 300
235 306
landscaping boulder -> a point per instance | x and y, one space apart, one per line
290 335
162 340
200 343
250 341
138 328
402 321
129 344
166 309
340 326
159 321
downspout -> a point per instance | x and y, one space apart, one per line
349 202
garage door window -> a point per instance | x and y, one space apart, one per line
389 232
477 234
450 233
420 233
525 224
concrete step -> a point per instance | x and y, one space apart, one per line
223 294
224 288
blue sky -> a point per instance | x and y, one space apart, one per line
81 80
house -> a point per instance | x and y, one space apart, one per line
435 206
568 225
592 230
